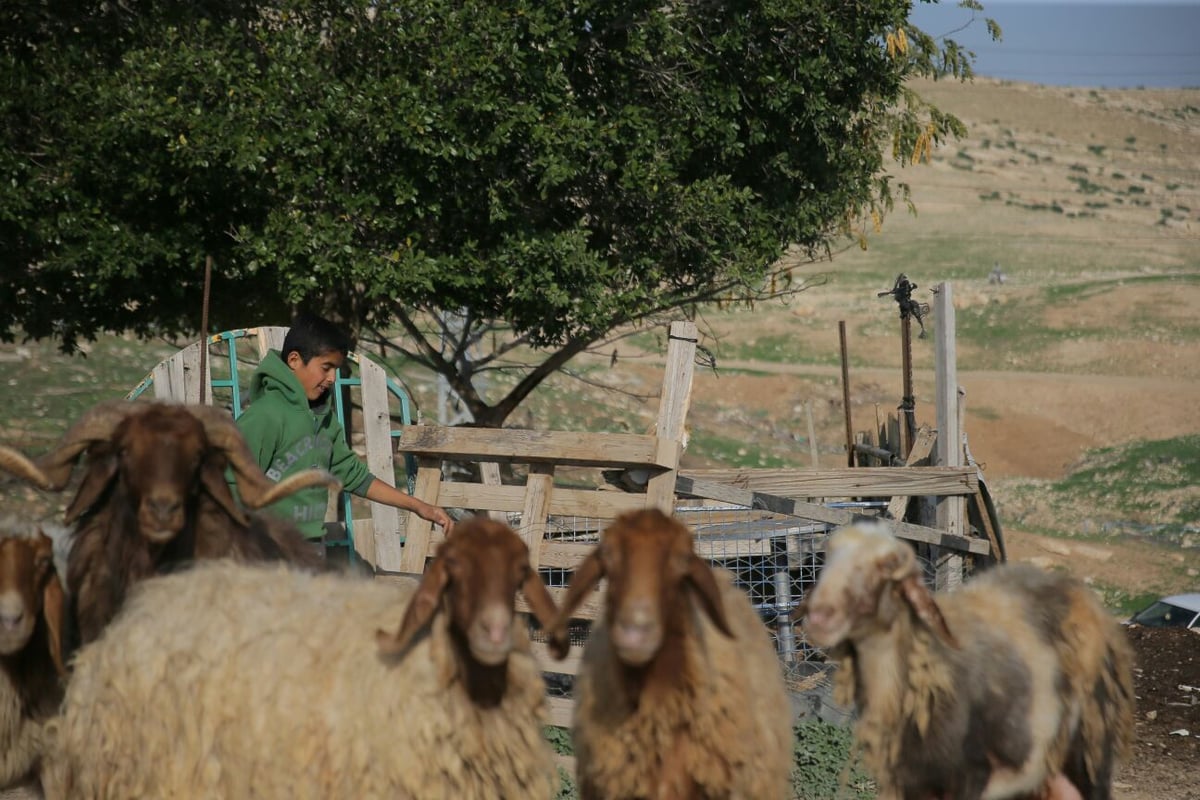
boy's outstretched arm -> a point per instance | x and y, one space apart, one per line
381 492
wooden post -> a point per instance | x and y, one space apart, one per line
205 384
846 394
673 407
813 451
949 440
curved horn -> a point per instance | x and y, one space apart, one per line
96 425
19 464
254 487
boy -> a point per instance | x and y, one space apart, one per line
291 425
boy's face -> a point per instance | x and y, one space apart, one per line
318 374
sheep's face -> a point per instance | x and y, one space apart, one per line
651 569
645 570
852 596
26 565
159 457
485 570
474 580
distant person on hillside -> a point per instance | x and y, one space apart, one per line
996 275
291 426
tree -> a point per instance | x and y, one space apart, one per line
556 170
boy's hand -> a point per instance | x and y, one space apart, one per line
437 516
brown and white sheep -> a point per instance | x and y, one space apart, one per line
1010 686
680 693
236 680
154 495
31 664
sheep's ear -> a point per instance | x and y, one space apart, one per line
704 584
926 608
587 575
54 611
100 473
212 478
420 611
542 605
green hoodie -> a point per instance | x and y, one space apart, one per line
286 435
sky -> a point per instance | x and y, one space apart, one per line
1084 43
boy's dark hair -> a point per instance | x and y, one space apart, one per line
313 336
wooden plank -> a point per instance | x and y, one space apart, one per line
847 482
813 450
364 540
539 487
950 510
489 475
561 712
418 530
918 454
190 358
590 608
988 529
548 663
551 555
563 502
388 522
673 407
523 446
835 516
268 337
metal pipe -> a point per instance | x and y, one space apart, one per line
846 393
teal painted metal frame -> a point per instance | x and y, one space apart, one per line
231 383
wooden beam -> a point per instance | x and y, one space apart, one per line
918 455
539 487
951 511
563 502
847 482
673 406
563 448
833 516
418 530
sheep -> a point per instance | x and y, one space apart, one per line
679 692
158 470
1017 684
31 660
250 680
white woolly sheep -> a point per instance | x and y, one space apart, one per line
235 680
154 495
31 665
1011 686
680 693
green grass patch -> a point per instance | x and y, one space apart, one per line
46 390
1151 481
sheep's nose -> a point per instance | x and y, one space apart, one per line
12 612
637 615
496 624
163 507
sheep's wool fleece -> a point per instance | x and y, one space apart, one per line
243 681
21 738
735 713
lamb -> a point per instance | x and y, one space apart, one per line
1012 686
250 680
679 693
158 470
31 663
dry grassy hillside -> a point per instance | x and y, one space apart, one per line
1090 203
